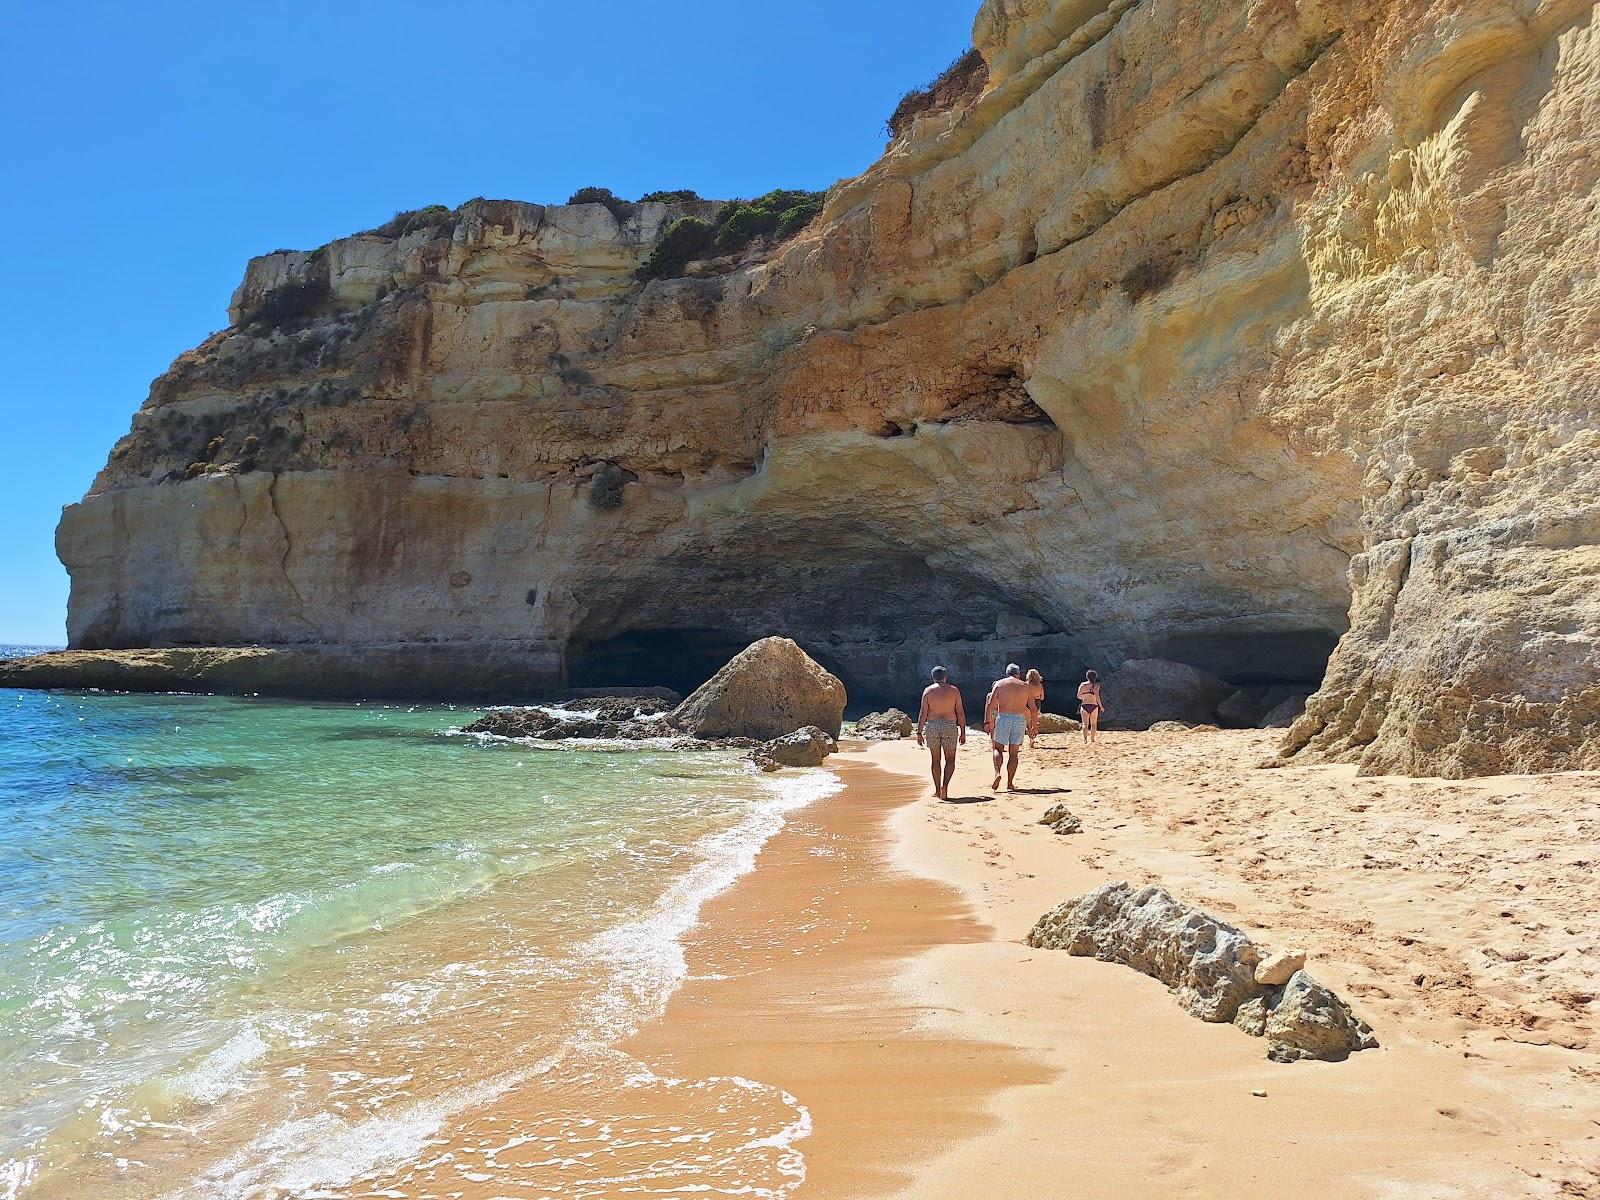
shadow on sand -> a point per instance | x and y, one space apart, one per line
969 800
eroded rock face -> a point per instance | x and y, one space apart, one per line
768 690
1196 321
1216 972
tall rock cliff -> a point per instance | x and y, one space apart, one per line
1213 331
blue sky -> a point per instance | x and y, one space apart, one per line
150 149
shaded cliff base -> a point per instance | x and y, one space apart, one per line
487 672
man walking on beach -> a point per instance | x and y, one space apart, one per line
1005 719
943 722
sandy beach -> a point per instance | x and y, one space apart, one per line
873 966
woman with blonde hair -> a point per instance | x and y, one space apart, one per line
1035 706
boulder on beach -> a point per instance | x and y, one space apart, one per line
885 726
1239 711
1061 819
1145 690
806 747
1056 723
1208 963
1307 1020
1286 713
767 690
1213 968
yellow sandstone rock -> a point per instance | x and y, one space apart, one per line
1216 332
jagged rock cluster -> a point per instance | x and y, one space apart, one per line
1215 971
770 698
1219 333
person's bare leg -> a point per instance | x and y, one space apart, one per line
933 755
1094 726
949 771
999 759
1085 720
1011 768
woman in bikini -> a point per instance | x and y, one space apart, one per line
1035 706
1091 706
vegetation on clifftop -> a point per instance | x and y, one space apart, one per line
960 83
778 215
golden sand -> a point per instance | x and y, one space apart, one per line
873 966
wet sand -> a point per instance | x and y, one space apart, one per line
799 979
873 967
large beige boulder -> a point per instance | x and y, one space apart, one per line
886 726
1056 723
1146 690
769 689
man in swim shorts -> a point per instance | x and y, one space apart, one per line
1005 719
941 726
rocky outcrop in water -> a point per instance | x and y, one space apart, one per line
1215 970
1211 332
807 747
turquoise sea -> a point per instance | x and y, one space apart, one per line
253 948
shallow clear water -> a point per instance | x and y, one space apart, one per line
254 948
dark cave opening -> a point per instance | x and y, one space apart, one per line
1297 657
681 659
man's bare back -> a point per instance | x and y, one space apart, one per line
1011 695
941 702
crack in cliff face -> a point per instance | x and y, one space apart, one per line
288 548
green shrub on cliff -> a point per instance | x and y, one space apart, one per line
740 224
779 214
685 240
798 217
782 212
432 216
680 196
605 489
619 208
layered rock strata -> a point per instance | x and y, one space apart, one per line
1197 321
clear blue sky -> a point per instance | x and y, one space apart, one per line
149 149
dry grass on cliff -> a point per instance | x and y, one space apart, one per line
960 83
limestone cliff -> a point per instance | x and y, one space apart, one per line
1210 331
